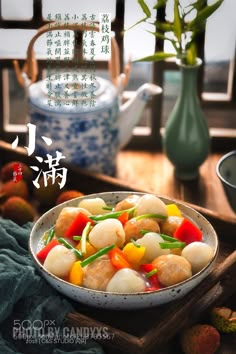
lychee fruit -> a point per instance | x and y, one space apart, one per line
18 210
12 188
224 319
200 339
6 173
47 195
68 195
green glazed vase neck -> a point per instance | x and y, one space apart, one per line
189 80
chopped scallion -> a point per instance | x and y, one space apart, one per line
84 237
170 245
135 243
151 273
112 215
77 238
50 236
68 245
150 216
96 255
107 208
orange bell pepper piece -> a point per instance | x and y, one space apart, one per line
118 259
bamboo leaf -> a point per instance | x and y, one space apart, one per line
165 38
177 22
145 8
203 15
191 54
164 26
158 56
160 3
197 5
140 21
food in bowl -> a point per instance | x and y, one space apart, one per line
138 244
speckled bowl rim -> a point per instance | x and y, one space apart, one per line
143 293
222 159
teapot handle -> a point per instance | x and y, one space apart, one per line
30 68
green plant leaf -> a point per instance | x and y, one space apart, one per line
165 38
177 22
198 5
159 4
203 15
164 26
140 21
158 56
191 54
145 8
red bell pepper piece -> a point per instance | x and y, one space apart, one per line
188 232
154 283
42 254
118 259
123 218
146 268
77 226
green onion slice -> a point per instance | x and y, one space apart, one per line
135 243
84 237
170 245
112 215
165 237
50 236
77 238
96 255
150 216
68 245
151 273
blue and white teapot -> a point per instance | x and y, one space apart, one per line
88 135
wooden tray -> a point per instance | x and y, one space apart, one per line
150 331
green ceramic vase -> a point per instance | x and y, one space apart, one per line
186 139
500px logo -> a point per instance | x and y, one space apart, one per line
36 324
38 331
37 328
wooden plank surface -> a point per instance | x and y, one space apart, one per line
153 172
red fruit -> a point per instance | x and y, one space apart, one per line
200 339
18 210
19 189
68 195
6 173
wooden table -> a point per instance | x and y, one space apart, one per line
154 172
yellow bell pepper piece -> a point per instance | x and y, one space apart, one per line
89 249
133 253
173 210
76 273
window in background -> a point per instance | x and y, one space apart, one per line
219 98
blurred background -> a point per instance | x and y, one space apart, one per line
217 85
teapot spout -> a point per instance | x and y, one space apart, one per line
131 111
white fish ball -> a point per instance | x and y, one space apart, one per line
94 205
198 254
59 261
151 204
126 281
106 233
151 241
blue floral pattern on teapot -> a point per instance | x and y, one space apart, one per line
89 137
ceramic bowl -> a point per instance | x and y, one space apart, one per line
117 301
226 171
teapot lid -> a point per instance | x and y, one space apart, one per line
72 92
